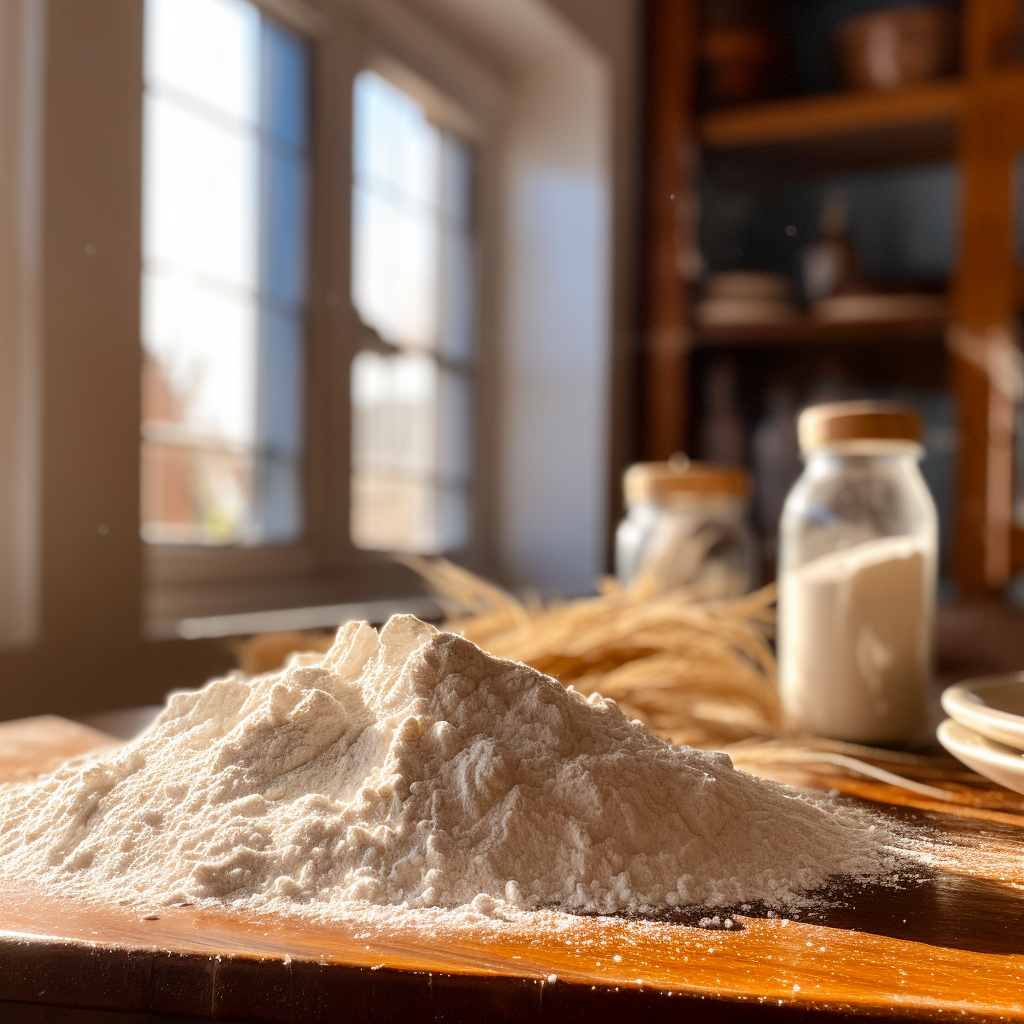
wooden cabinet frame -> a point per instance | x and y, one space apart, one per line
977 119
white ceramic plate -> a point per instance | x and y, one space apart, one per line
992 706
995 761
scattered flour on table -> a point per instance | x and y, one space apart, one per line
412 769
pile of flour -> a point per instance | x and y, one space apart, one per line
412 769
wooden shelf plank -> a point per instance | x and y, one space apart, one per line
818 117
807 330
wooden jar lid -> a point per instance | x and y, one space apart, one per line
651 481
839 422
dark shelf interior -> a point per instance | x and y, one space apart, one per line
809 331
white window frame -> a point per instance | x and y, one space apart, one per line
190 582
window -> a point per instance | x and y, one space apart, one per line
218 551
224 275
412 283
294 435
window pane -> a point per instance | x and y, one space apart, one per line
200 212
191 495
284 72
396 147
456 313
410 454
207 51
280 409
456 196
199 342
412 281
284 271
394 403
224 256
395 268
390 513
278 495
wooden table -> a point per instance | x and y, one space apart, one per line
945 944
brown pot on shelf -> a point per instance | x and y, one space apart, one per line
740 63
901 46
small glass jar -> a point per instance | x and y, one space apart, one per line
686 523
858 544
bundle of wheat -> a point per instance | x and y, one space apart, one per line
693 670
267 652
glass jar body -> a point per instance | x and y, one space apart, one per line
858 547
687 539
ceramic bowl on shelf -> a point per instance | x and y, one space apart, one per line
992 706
896 47
995 761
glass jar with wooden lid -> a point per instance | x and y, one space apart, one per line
686 523
858 544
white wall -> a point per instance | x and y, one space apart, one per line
21 76
555 346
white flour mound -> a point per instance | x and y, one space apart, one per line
412 769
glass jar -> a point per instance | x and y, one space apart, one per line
858 544
686 523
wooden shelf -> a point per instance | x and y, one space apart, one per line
817 117
839 131
809 331
973 121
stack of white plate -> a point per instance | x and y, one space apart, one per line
985 728
745 297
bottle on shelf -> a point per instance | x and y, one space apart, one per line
830 265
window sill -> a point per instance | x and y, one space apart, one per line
327 616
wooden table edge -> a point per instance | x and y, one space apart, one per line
245 986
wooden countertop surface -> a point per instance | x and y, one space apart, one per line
945 942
